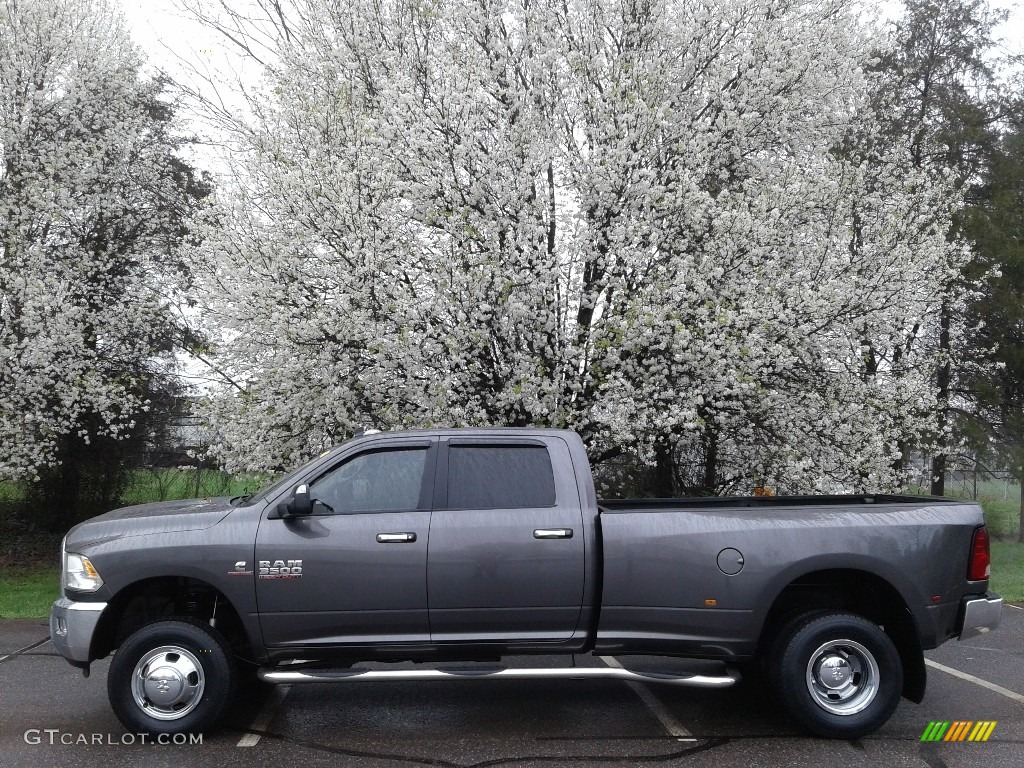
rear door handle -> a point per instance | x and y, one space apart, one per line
396 538
553 533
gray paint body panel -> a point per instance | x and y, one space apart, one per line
353 589
145 548
661 566
490 579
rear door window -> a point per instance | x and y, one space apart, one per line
499 477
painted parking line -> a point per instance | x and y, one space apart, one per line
265 716
1013 695
653 703
26 649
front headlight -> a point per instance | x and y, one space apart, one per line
79 573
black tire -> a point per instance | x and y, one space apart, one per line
171 677
837 674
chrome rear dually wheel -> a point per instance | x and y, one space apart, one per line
837 674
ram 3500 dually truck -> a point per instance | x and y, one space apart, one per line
470 545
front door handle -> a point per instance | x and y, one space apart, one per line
396 538
553 533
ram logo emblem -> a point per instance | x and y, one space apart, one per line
280 569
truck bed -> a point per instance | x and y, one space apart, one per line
715 565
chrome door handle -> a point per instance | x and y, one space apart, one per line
396 538
553 533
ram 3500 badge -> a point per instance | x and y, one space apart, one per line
280 569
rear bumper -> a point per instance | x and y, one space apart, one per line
71 628
979 615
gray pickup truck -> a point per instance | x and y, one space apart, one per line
469 545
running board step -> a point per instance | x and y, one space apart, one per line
278 675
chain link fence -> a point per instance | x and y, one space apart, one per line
997 490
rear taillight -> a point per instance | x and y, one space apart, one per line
981 562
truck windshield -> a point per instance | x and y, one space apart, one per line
275 487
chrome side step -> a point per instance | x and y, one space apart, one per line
279 675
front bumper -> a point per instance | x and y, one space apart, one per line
71 628
979 615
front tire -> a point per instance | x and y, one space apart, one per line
837 674
171 677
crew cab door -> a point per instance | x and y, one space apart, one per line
362 553
506 554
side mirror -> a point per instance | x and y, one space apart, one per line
301 503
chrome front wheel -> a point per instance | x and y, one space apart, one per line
171 677
168 682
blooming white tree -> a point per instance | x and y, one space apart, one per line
93 201
666 224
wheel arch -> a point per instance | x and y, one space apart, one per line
168 597
857 591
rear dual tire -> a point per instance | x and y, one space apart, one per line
837 674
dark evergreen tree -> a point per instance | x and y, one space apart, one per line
940 86
995 222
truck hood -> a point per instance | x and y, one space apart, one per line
147 519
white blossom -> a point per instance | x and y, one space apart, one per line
89 211
659 223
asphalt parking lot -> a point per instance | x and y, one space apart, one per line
51 715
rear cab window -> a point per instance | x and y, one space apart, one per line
500 476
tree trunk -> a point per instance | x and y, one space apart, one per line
1020 529
710 461
663 479
939 475
942 380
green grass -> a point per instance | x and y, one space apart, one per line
999 499
164 484
1008 570
28 594
1001 517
